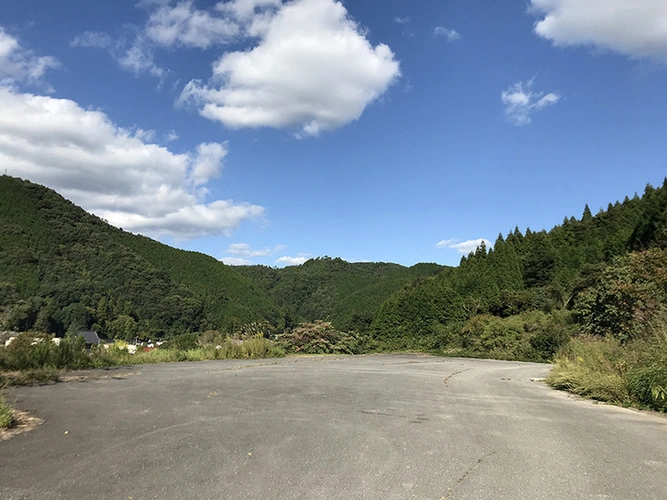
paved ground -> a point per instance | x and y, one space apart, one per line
376 427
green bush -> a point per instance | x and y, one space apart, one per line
182 342
530 336
628 299
320 337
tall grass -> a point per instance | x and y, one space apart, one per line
6 413
603 369
34 358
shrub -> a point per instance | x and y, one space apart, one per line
320 337
32 351
530 336
628 298
182 342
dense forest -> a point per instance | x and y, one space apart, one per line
537 276
62 269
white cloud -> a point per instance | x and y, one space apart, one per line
184 25
450 35
402 20
95 39
521 102
445 243
293 261
137 58
240 254
637 28
245 11
312 70
208 162
236 261
19 65
113 172
243 249
171 136
179 25
134 53
464 247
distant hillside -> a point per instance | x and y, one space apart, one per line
62 268
347 294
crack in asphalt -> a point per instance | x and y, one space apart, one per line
455 373
460 480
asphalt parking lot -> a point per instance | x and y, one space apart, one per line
370 427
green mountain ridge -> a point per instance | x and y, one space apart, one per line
62 269
347 294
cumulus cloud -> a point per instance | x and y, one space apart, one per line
637 28
449 34
293 261
521 102
20 65
184 25
402 20
113 172
464 247
313 69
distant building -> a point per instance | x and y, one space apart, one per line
91 337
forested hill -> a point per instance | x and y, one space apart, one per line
62 268
483 305
347 294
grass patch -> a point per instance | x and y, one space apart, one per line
6 413
33 376
634 374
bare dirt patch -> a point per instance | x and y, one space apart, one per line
23 422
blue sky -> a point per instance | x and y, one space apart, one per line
269 131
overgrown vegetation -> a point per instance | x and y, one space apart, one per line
35 358
6 413
320 337
623 359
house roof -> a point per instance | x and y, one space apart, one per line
90 336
